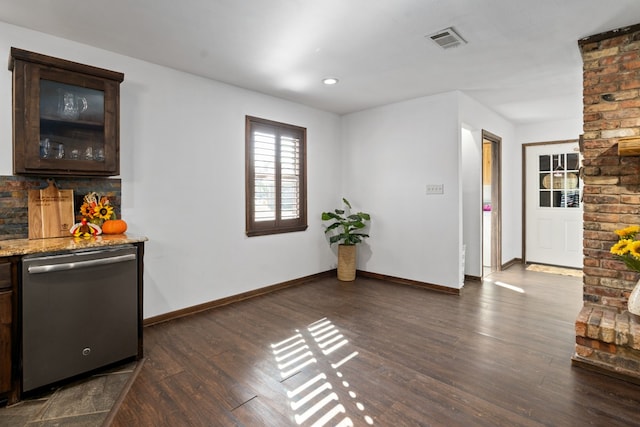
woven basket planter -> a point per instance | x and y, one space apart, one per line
347 263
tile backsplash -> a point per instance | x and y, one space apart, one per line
14 191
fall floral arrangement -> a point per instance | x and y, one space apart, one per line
627 248
94 211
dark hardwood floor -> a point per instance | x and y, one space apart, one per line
395 356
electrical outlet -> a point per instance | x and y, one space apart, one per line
435 189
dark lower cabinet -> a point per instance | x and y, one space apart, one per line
6 316
7 329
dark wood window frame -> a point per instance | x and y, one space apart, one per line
289 152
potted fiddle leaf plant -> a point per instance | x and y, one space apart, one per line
346 230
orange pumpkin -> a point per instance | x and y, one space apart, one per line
114 226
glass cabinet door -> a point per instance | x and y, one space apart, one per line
71 122
66 117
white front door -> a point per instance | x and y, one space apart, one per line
553 198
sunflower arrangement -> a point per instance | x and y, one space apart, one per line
96 209
627 248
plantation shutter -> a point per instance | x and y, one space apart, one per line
264 149
290 177
276 199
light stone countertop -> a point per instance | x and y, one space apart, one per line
34 246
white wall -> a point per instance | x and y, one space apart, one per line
560 130
182 170
391 154
471 142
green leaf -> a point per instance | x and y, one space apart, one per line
357 224
362 236
330 215
631 262
346 202
336 238
333 226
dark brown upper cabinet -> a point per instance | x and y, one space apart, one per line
66 117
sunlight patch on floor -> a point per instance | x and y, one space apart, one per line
505 285
317 398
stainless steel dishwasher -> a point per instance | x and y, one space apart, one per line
79 312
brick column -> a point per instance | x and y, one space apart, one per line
611 196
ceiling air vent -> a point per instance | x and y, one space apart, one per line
447 38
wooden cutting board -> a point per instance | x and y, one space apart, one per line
50 212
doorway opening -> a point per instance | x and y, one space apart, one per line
491 203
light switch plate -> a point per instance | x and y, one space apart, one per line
435 189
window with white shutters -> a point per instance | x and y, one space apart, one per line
275 177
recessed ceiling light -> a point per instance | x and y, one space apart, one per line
330 81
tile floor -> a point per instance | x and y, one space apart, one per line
83 403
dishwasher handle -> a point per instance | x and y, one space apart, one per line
50 268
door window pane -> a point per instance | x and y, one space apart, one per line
545 163
545 199
559 182
573 161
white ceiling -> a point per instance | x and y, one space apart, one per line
522 57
